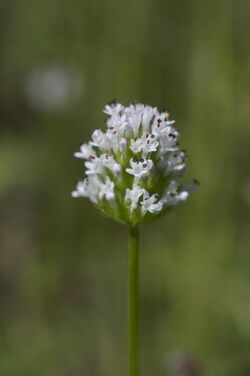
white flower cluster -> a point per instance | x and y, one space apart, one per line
133 169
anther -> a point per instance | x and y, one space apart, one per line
112 102
172 135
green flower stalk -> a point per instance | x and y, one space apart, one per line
133 175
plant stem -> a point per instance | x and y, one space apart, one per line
133 295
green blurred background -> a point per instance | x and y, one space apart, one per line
63 267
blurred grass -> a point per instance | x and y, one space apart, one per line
62 265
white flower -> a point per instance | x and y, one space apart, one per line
89 187
149 143
109 162
99 139
150 204
107 190
136 146
139 167
94 166
134 121
85 152
117 123
112 141
175 162
148 116
80 190
172 196
113 108
168 140
175 199
133 195
134 166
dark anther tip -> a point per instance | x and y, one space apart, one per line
195 181
112 102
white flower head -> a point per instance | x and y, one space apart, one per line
134 167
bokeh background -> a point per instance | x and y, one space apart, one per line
63 267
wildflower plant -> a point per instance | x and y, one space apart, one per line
133 175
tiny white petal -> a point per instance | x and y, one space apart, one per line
75 194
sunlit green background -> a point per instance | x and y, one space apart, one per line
63 267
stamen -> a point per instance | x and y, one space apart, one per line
112 102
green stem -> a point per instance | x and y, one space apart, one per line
133 295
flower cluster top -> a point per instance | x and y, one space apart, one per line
133 168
